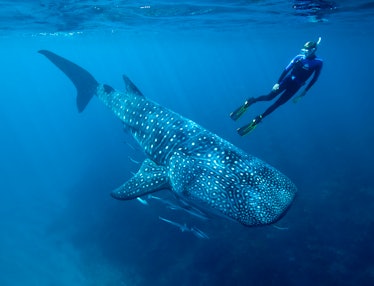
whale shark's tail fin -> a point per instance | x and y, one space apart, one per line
85 83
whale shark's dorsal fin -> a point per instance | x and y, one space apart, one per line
131 87
85 83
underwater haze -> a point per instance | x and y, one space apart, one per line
202 59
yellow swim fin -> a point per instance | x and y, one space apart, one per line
250 126
235 115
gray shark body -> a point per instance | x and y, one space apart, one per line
198 166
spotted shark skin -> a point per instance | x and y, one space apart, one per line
198 166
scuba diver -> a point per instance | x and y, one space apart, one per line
291 80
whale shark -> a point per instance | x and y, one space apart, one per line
198 166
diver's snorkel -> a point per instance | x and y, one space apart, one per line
319 41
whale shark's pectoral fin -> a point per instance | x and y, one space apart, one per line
150 178
131 87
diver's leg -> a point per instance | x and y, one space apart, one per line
235 115
270 96
253 124
281 100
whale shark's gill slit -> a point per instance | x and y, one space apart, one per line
84 82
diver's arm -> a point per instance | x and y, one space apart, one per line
282 76
310 84
315 77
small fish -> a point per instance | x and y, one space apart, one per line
279 227
183 206
199 233
134 161
182 227
142 201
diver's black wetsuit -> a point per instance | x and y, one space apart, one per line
290 82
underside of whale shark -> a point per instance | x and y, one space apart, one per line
198 166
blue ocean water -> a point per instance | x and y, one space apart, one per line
202 59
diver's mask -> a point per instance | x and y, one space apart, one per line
310 48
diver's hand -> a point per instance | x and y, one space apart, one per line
275 86
297 98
